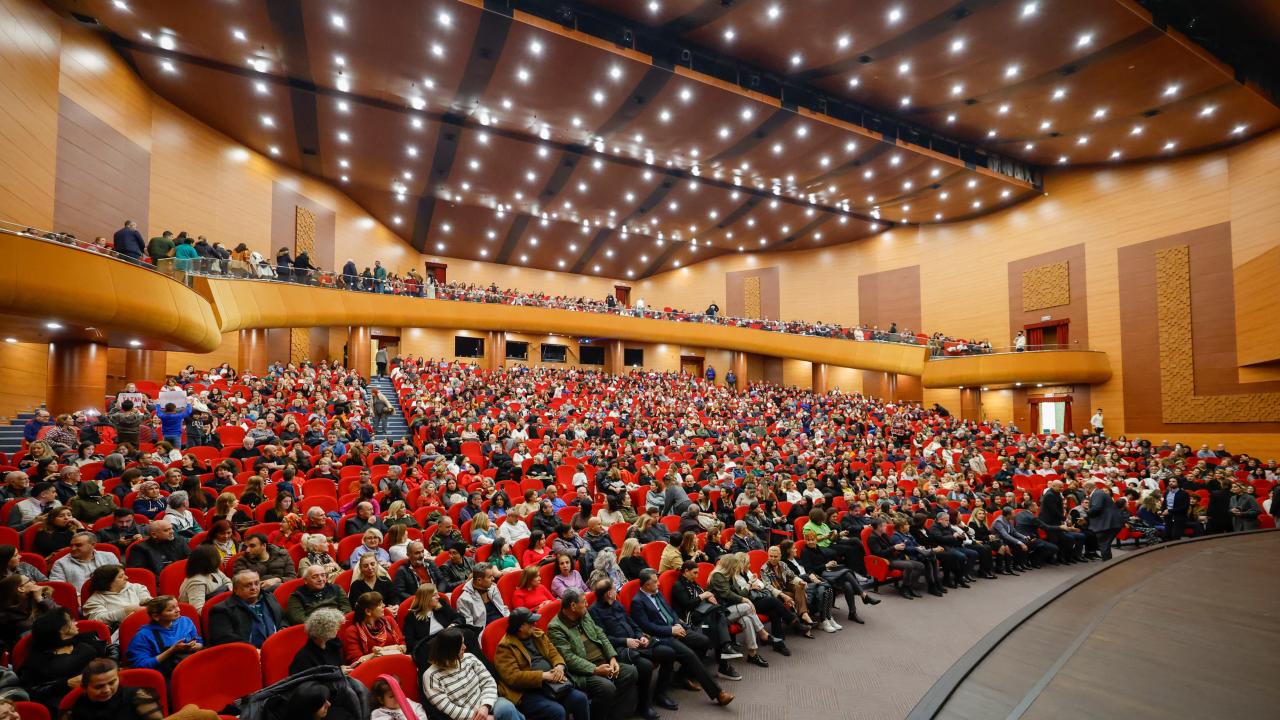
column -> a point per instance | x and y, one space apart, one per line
145 365
358 358
613 358
738 364
77 378
253 351
495 351
819 377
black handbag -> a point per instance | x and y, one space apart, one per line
557 691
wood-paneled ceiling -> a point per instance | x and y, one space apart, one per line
524 138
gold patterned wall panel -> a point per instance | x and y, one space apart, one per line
1046 286
304 230
1179 402
304 240
751 297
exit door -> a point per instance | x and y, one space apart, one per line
691 365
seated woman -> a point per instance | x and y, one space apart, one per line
630 559
537 551
149 501
371 632
290 532
90 505
223 537
371 543
11 563
458 684
56 531
369 577
695 606
567 576
21 602
104 697
281 509
322 646
112 597
204 577
397 542
502 558
482 532
59 652
316 547
167 640
530 592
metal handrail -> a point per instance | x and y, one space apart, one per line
67 240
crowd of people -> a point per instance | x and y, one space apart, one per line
186 254
637 534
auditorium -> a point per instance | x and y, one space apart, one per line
613 359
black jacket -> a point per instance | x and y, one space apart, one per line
1052 511
230 621
616 623
155 556
406 580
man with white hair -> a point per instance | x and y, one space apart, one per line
159 550
76 566
316 593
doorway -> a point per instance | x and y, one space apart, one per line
622 293
437 271
691 365
1051 415
1049 335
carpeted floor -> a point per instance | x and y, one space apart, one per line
878 670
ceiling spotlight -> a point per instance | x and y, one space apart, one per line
167 42
1062 159
774 12
1029 9
895 15
274 149
904 68
337 21
1239 129
522 75
1084 40
957 89
53 325
1099 113
1172 90
843 41
957 45
853 82
260 87
729 34
268 121
597 97
1059 93
615 72
239 35
686 94
951 118
796 59
1082 140
168 67
1170 145
344 137
1115 154
1011 71
895 160
905 101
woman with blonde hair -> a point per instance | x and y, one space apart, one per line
428 614
316 547
629 559
371 544
398 514
370 576
729 586
482 532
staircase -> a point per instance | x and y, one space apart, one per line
11 434
397 428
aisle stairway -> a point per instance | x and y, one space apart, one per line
11 434
397 428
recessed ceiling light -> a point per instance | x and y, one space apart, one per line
167 42
344 163
573 247
895 15
951 118
1084 40
261 87
1172 90
1115 154
1005 193
1082 140
440 247
868 174
343 178
895 160
268 121
774 12
1003 109
522 75
797 59
396 219
1059 93
729 34
597 97
274 149
239 35
168 66
957 45
484 252
615 72
1062 159
337 20
344 137
1208 110
1012 70
853 82
1137 130
1239 129
843 41
945 195
53 325
904 68
905 101
560 263
686 94
1028 146
957 89
1171 145
437 49
1029 9
971 184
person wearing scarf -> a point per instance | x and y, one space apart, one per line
371 632
90 505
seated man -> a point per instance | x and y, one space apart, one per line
43 498
531 673
415 571
249 615
511 529
364 520
652 613
246 451
159 550
316 592
1021 537
317 523
591 662
480 602
743 539
272 564
76 566
17 485
639 649
445 536
123 530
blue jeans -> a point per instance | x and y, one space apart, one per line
504 710
537 706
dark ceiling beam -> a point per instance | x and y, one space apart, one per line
903 42
287 20
668 49
774 123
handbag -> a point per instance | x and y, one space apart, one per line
557 691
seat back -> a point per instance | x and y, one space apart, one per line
627 592
236 666
171 578
399 666
491 636
131 677
278 653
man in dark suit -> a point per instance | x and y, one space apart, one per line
1105 520
1175 506
1053 513
128 241
249 615
1029 525
650 611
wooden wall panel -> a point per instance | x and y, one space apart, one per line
759 287
103 178
29 48
24 367
228 352
93 76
